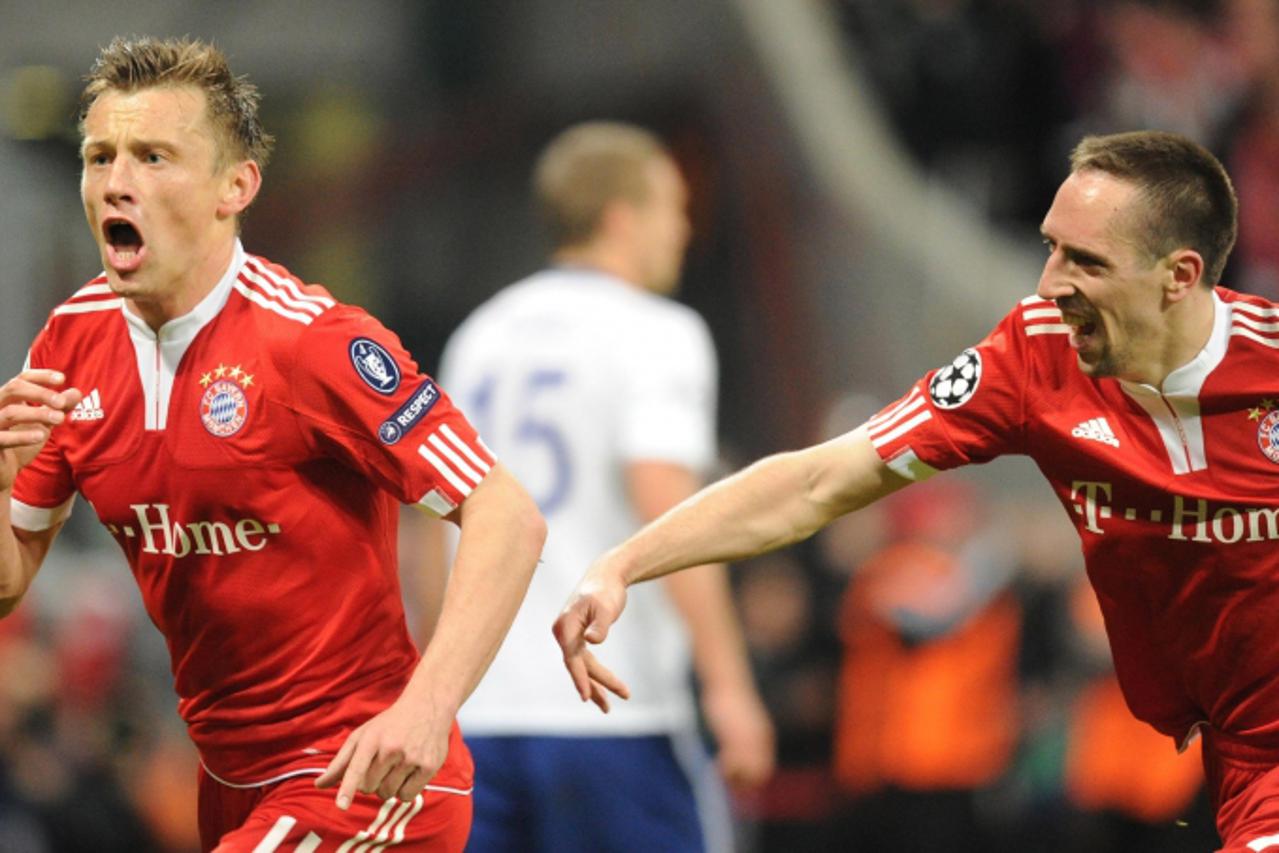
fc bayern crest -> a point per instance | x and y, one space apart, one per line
955 384
223 408
1268 436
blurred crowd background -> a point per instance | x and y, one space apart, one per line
868 177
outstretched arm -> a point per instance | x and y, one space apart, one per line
397 752
30 408
775 502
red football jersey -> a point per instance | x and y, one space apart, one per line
249 459
1174 493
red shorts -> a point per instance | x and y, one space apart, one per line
1244 784
293 815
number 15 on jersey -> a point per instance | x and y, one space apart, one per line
526 430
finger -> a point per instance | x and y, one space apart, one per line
25 414
604 676
394 779
414 784
13 439
355 774
333 772
71 398
567 630
42 376
599 696
382 765
22 389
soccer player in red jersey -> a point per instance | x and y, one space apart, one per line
246 439
1148 397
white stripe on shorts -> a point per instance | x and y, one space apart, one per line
272 839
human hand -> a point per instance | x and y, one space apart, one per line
594 605
30 407
394 754
744 734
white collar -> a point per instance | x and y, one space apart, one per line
186 327
1186 380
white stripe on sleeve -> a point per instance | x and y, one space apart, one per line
890 413
458 462
37 518
444 470
258 299
880 440
465 448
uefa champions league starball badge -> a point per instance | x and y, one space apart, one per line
224 407
955 384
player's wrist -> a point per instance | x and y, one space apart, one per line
615 568
423 696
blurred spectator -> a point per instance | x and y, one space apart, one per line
927 714
1168 69
64 740
1132 789
1088 776
795 663
1252 30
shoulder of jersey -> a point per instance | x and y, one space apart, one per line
279 294
1252 318
636 308
1040 319
92 299
280 298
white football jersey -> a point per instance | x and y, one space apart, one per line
568 375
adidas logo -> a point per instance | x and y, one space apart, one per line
1096 429
89 409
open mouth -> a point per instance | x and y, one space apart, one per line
1082 328
124 244
1082 332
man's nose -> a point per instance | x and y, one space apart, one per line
119 184
1052 284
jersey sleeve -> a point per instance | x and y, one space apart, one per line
359 396
968 411
669 395
44 491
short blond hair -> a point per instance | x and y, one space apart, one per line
585 168
129 65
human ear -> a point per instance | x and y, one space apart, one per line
243 180
1186 270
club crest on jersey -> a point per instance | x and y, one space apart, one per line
1268 435
955 384
408 415
224 407
374 365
